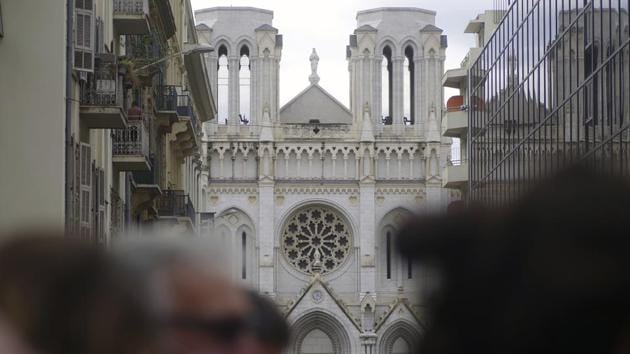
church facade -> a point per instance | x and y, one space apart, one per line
308 196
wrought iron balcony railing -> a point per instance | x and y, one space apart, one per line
133 140
131 7
175 203
103 88
143 49
166 97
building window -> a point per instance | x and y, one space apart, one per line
316 239
244 255
1 25
386 84
223 77
409 268
409 88
244 77
388 254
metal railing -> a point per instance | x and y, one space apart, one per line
143 48
166 97
176 203
102 88
131 7
133 140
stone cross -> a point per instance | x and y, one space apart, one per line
314 58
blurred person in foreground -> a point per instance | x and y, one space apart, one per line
67 297
550 274
270 331
201 309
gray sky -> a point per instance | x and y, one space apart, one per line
326 24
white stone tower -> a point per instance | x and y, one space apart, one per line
259 41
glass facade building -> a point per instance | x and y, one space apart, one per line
551 88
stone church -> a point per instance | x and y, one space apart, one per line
308 196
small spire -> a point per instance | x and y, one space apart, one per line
314 58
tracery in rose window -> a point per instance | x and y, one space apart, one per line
312 229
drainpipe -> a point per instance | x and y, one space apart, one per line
68 133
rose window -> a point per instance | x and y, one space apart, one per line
316 236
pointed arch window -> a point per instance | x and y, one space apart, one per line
223 79
388 254
244 255
244 78
409 87
386 84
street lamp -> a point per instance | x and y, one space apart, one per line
188 50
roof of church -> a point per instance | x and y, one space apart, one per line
366 28
315 103
431 28
266 27
203 27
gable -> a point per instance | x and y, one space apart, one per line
315 103
319 297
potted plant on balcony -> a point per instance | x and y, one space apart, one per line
127 69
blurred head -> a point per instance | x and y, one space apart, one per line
10 340
547 275
201 309
270 331
68 297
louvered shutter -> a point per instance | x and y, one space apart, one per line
84 35
101 206
76 191
86 192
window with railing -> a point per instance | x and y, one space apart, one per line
133 140
102 88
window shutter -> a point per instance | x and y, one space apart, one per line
86 192
84 35
101 206
76 190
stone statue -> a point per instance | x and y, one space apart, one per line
314 58
317 262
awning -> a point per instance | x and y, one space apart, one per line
199 86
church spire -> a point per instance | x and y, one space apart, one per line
314 58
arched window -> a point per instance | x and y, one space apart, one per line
388 254
223 78
386 84
244 78
244 255
409 87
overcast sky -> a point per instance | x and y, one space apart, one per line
326 24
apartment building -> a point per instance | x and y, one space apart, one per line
101 118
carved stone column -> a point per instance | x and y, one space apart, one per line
368 343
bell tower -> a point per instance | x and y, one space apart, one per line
396 60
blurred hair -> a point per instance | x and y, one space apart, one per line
68 297
548 274
268 324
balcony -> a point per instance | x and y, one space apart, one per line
175 205
471 58
145 193
102 98
131 16
143 50
455 120
455 78
187 130
131 146
455 175
166 105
